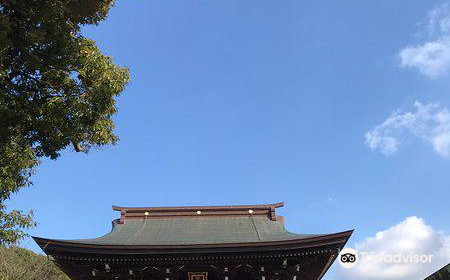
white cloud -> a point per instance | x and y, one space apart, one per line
431 58
412 235
430 123
439 20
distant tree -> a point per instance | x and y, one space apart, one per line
21 264
56 90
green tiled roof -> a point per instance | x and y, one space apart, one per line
191 231
442 274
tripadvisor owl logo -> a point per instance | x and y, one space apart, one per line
348 258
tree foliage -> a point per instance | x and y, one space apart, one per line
56 90
21 264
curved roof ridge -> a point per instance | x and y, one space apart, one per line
212 207
267 210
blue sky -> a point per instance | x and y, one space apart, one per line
241 102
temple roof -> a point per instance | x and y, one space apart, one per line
222 226
185 231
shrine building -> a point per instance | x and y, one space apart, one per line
243 242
